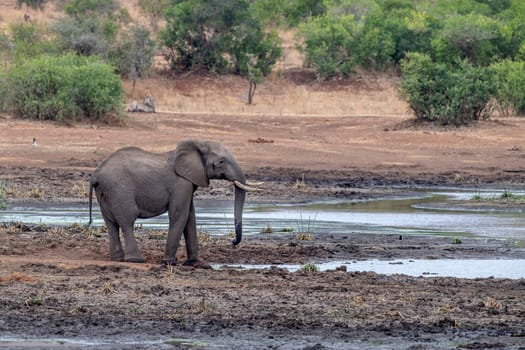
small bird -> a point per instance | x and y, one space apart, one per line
35 144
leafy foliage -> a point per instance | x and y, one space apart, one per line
508 80
134 53
222 36
154 9
478 38
327 44
91 8
35 4
87 36
63 88
443 93
30 40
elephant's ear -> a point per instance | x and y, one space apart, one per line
190 163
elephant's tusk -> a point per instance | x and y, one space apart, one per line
244 187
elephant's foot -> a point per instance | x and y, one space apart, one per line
136 260
168 262
119 258
198 264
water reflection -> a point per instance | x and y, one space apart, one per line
402 215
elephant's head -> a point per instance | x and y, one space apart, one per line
200 161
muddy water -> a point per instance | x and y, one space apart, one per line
404 215
416 214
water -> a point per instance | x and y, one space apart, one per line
402 215
459 268
405 215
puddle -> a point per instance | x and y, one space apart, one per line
72 343
460 268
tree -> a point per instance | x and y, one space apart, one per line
134 54
478 38
327 43
221 36
155 10
35 4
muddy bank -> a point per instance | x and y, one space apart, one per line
281 184
58 283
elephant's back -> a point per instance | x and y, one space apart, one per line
130 162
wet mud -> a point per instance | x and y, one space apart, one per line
58 282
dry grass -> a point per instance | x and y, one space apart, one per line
275 96
18 277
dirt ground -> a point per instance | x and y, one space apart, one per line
58 283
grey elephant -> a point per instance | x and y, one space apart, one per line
132 183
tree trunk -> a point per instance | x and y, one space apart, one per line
251 91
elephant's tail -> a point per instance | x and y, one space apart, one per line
91 187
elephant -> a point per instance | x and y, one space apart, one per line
132 183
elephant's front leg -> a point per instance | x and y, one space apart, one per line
178 212
192 242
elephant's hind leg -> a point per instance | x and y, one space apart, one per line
132 251
115 246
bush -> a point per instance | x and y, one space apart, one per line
475 37
30 40
221 36
64 89
327 45
508 81
447 94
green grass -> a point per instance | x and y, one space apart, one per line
309 268
3 195
506 196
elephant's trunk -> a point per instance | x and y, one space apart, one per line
240 195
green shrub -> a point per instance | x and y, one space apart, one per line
64 88
447 94
221 36
30 40
508 79
327 44
309 268
477 38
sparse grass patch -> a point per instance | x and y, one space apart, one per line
305 226
157 235
303 236
36 193
36 299
309 268
14 228
204 237
506 196
457 241
3 195
108 288
204 307
267 229
301 184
